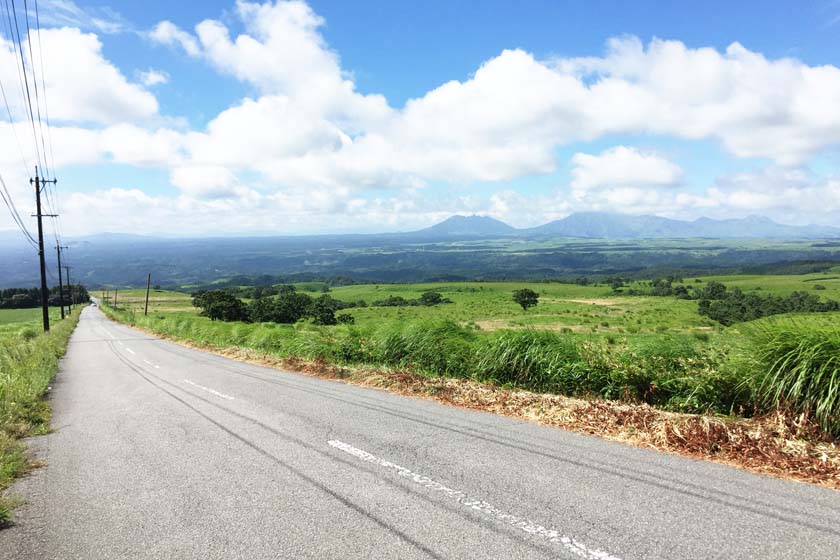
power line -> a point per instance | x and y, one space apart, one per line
10 204
28 96
14 128
35 85
44 86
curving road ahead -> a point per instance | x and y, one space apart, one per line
164 452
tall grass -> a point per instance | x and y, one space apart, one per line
541 360
797 366
28 363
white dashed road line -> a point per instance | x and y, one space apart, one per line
568 543
151 364
127 349
209 390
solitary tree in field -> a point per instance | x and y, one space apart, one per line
526 298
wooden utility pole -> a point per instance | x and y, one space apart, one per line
115 296
58 249
148 283
45 295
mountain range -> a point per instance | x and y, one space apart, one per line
604 225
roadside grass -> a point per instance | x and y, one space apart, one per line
24 322
28 364
794 364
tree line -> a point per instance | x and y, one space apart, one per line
284 304
25 298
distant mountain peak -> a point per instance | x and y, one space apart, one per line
473 225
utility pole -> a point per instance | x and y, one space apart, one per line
45 297
148 283
58 249
70 285
115 296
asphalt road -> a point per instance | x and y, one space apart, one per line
165 452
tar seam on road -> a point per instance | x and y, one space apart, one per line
481 506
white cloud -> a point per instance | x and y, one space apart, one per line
66 13
167 33
209 181
81 85
623 166
152 77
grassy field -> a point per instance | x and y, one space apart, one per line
14 321
779 284
487 306
28 363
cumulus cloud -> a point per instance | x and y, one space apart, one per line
152 77
209 181
167 33
78 74
623 166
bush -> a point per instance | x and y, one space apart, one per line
797 366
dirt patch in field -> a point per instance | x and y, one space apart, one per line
493 324
780 445
608 302
499 324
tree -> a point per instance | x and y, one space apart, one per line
323 312
287 307
219 305
526 298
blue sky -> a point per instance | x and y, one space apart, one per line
332 116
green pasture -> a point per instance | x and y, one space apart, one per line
781 284
13 322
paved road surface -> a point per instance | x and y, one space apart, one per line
164 452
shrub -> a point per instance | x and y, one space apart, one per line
797 366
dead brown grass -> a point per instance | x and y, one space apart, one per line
779 445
